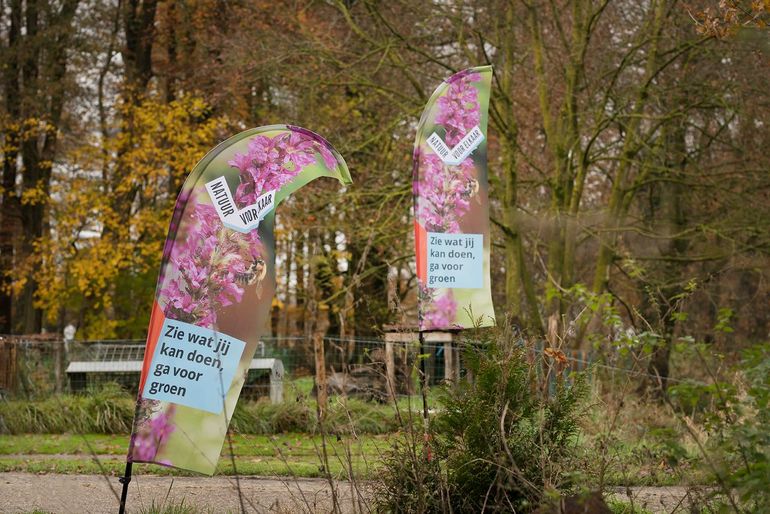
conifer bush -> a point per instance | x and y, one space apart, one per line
500 440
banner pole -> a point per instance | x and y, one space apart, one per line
424 388
125 480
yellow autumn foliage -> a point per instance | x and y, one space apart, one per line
111 202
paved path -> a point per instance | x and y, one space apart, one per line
25 492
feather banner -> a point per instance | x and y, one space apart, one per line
215 289
451 205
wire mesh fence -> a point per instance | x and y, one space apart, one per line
370 368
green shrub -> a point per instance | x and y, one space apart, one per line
737 420
743 441
410 478
107 411
292 417
497 443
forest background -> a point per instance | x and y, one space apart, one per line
629 184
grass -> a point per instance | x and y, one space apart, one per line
244 445
621 507
645 446
106 411
642 443
638 454
111 411
280 455
114 466
269 439
174 508
637 457
66 444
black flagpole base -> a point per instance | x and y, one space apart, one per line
125 480
424 385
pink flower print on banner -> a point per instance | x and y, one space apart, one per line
260 170
211 257
271 163
440 313
161 426
329 159
207 262
153 433
208 219
254 245
443 193
458 109
320 144
298 150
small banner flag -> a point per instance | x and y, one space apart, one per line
215 289
451 205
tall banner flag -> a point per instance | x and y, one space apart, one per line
214 292
451 204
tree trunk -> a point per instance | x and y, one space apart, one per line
38 150
620 194
10 215
673 205
518 281
139 31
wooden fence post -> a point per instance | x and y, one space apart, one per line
322 325
449 362
58 365
320 373
8 366
390 370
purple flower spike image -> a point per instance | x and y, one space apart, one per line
443 193
440 313
212 257
459 108
272 162
153 433
208 261
261 169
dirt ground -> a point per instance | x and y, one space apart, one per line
25 492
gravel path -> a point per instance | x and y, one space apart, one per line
25 492
669 500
